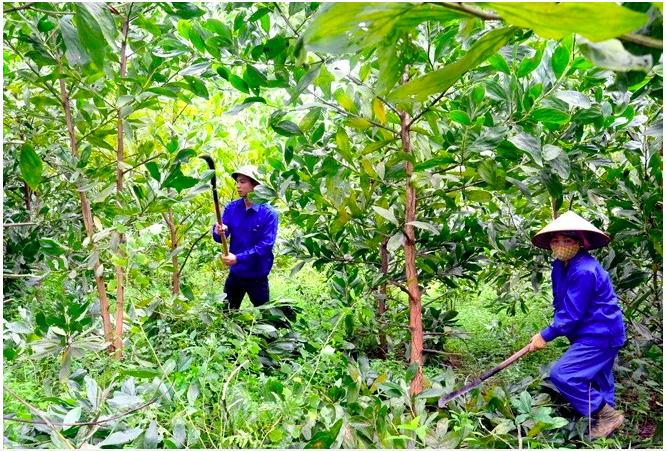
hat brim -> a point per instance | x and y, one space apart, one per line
595 239
236 174
590 236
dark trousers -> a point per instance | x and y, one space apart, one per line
236 287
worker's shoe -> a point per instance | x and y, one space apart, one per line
607 420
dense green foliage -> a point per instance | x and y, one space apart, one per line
512 117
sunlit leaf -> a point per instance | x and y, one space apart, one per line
596 21
31 166
441 80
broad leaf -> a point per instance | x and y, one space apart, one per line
595 20
96 28
612 55
574 98
441 80
550 115
349 27
31 166
286 128
120 438
388 215
529 144
76 53
187 10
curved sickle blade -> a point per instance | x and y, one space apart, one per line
218 215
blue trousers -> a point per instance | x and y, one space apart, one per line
584 377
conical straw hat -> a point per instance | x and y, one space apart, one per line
591 236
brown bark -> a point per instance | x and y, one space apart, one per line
87 216
120 287
417 338
382 304
176 276
26 196
554 210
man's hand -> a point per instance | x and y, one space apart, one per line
220 229
537 343
229 259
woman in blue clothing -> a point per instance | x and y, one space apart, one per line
252 229
586 311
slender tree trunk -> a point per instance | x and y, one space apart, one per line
176 276
26 196
120 287
417 337
554 210
382 303
87 215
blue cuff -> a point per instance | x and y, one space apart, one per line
549 334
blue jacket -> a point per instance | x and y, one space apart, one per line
585 307
253 233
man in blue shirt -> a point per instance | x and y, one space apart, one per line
252 229
587 312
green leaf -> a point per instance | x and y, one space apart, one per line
550 152
530 64
253 77
97 29
550 115
75 52
560 60
72 417
197 86
574 98
350 27
612 55
528 144
245 104
345 101
594 20
498 62
478 195
120 438
178 181
287 128
238 83
413 369
425 226
460 116
304 82
104 194
31 166
275 46
187 10
153 170
388 215
441 80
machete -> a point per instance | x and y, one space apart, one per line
218 216
467 387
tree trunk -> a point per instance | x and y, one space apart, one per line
382 303
26 196
120 287
554 210
87 215
417 337
176 276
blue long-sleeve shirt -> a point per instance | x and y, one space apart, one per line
586 310
252 235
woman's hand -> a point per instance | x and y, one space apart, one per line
537 343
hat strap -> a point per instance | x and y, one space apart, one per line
583 239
